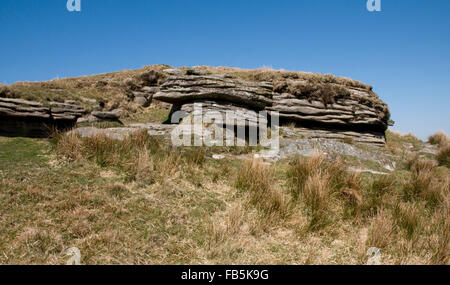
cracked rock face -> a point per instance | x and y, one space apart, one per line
32 119
319 110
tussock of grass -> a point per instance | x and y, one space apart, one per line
144 158
221 234
408 218
381 231
195 155
423 183
443 156
316 194
327 93
67 145
257 180
381 189
316 181
395 142
440 242
439 138
118 190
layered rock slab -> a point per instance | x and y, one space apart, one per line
32 119
319 110
349 112
188 88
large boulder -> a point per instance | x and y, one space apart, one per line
320 106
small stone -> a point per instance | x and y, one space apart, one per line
142 101
87 100
218 156
150 90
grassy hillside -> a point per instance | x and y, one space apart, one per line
140 201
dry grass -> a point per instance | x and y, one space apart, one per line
443 156
439 138
408 218
381 231
325 92
268 74
443 141
440 241
113 90
114 87
256 180
395 142
423 183
378 195
316 195
143 158
317 181
140 201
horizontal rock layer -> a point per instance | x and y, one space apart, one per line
346 113
26 118
358 113
336 134
188 88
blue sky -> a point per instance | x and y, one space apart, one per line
403 51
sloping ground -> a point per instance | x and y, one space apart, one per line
139 201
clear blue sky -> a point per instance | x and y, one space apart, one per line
403 51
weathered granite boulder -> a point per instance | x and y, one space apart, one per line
319 107
141 101
32 119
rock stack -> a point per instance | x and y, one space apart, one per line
318 108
